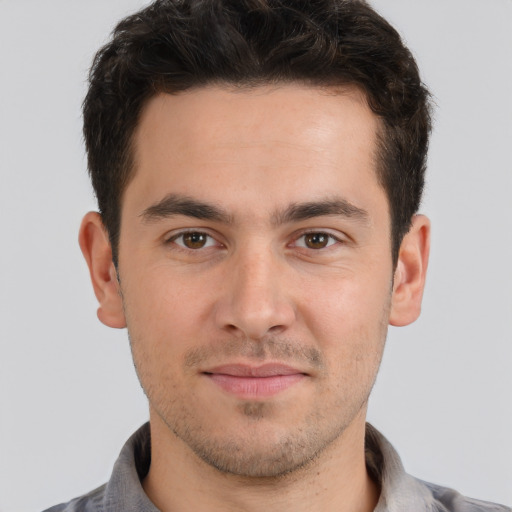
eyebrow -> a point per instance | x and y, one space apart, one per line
175 204
338 207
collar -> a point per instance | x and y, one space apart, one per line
400 492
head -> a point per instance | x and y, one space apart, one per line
257 165
173 46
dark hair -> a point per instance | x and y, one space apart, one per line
174 45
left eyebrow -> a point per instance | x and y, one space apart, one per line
334 207
174 204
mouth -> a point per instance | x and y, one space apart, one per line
253 382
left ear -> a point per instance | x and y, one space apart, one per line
410 273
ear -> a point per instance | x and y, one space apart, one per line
95 245
410 273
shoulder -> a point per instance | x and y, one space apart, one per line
90 502
452 501
401 492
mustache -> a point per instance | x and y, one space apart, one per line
271 348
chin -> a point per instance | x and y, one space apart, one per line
261 450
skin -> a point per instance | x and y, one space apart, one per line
261 278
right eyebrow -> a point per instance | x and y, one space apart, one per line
175 204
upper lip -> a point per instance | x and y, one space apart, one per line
244 370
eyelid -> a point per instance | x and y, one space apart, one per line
172 236
338 238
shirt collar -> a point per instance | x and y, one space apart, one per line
400 492
124 490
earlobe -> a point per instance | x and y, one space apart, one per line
410 273
97 252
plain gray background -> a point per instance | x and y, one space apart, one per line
68 393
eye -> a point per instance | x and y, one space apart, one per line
193 240
315 240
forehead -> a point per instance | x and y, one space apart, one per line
285 114
295 141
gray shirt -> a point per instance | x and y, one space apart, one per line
400 492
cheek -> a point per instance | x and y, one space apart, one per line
162 295
158 312
348 307
158 334
348 321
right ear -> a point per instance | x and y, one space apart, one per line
95 245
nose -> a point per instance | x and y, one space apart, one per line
255 300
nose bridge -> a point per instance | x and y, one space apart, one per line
256 301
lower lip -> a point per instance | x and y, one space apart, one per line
255 387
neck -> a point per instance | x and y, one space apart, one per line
337 480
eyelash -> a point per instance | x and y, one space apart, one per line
331 240
173 239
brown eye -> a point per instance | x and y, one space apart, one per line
194 240
316 240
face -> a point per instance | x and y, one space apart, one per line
255 271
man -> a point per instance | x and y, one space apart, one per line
258 167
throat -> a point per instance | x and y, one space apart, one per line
178 481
